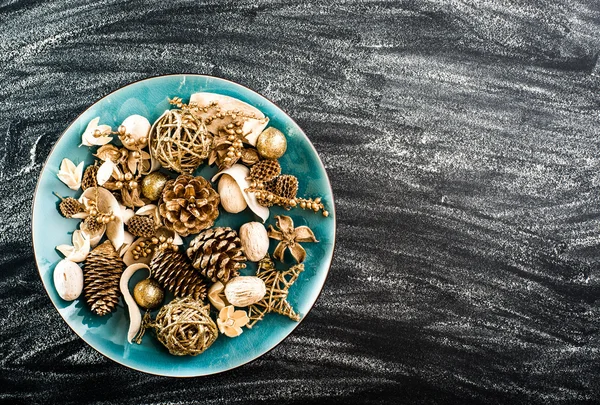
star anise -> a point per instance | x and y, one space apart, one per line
290 238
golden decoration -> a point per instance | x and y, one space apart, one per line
69 206
101 275
188 205
278 284
148 294
231 322
184 327
179 141
142 225
290 238
174 272
153 185
271 143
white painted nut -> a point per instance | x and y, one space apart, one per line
68 280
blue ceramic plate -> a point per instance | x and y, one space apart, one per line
107 334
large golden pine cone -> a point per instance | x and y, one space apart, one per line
189 204
174 272
217 253
101 275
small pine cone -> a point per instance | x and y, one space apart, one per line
141 225
89 177
91 224
101 275
217 253
286 186
174 272
69 207
265 170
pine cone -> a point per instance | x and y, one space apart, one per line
101 275
286 186
69 207
189 205
141 225
265 170
217 253
89 177
174 272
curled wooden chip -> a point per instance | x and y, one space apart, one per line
255 121
80 249
135 315
240 173
128 257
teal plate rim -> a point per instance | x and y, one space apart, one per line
330 207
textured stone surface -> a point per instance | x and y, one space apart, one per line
461 139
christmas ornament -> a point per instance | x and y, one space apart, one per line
230 321
243 291
142 225
179 141
277 285
70 174
135 316
148 294
188 205
89 177
174 272
101 274
271 143
80 249
217 253
265 170
290 238
184 327
68 280
255 240
240 174
153 185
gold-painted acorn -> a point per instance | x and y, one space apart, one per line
271 143
153 184
148 294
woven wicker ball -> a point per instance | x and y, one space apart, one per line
184 327
179 141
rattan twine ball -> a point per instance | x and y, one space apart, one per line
179 141
184 327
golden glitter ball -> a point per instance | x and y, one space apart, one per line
148 294
153 184
271 143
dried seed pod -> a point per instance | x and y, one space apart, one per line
69 207
89 177
101 275
141 225
265 170
286 186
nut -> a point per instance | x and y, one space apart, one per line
255 240
243 291
232 198
68 280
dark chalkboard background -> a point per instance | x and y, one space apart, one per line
461 139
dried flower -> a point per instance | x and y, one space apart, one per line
290 238
96 134
70 174
230 321
80 249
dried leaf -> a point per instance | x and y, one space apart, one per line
105 172
304 234
80 249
